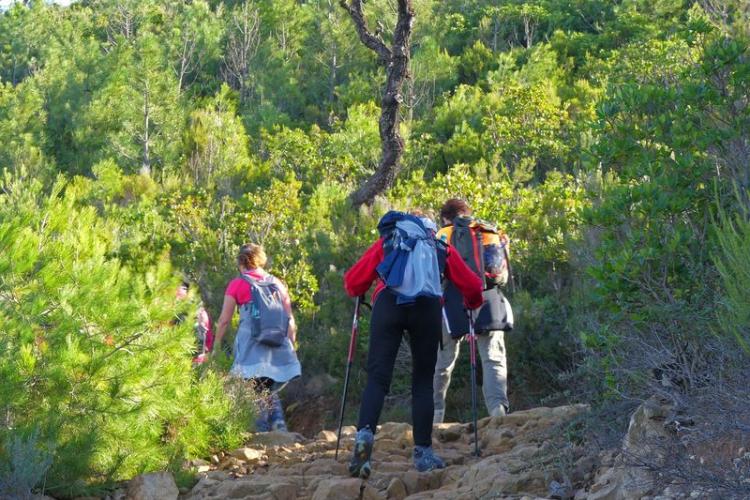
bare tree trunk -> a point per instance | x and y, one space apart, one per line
529 27
242 46
146 160
396 62
187 59
332 80
123 22
495 33
333 62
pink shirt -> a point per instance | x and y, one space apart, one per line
241 292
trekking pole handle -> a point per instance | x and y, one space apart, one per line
355 328
470 317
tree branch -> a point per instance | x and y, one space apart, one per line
396 62
370 40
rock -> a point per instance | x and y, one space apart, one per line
447 433
580 495
283 491
217 475
118 494
326 436
335 489
389 445
154 486
284 466
256 487
396 490
230 463
326 466
247 454
348 431
276 438
396 431
416 482
391 467
644 442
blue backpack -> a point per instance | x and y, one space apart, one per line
412 263
265 314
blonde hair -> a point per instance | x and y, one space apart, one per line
252 256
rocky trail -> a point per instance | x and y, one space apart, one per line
526 455
516 463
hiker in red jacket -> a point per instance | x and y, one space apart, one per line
407 263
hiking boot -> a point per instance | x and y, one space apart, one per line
425 460
261 423
279 426
360 464
500 411
276 415
438 416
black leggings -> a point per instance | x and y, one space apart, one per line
389 321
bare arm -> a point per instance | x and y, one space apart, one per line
292 329
227 311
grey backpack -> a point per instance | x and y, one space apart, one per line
269 320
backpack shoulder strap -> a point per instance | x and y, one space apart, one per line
250 281
467 239
441 247
255 283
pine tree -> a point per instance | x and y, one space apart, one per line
90 357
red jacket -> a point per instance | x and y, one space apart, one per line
359 277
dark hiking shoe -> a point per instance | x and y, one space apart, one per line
276 416
360 464
425 460
262 423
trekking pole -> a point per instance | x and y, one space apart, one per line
350 359
473 361
447 326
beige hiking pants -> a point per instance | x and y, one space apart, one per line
491 347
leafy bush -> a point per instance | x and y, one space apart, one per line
89 354
731 261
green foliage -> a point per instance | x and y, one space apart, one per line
23 466
218 147
89 354
136 114
21 130
145 141
733 246
650 276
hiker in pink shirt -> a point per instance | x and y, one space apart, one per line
264 352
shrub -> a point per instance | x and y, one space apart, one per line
23 465
89 353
